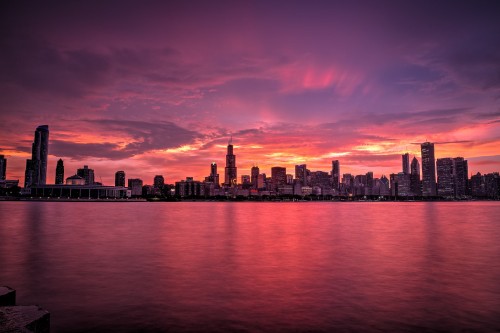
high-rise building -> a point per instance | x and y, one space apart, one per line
230 171
59 172
289 178
278 176
245 181
3 167
87 174
415 177
301 174
445 181
254 175
261 181
428 170
158 182
335 174
406 163
460 175
36 167
214 176
135 186
120 178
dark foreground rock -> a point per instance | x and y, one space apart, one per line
21 318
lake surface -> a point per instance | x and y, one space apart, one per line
255 267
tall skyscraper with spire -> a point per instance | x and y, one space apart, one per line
59 172
428 170
36 167
230 171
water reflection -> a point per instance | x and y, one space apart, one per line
256 267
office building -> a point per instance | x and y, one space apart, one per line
214 176
230 176
278 177
415 177
406 163
36 167
460 175
87 174
301 174
135 186
428 170
3 167
59 172
254 175
189 188
158 182
120 178
445 181
335 174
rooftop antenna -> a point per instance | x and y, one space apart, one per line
231 140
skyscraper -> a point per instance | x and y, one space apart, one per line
230 171
87 174
36 167
460 175
278 176
335 174
158 182
254 175
406 163
214 176
3 167
428 170
415 177
445 181
301 174
59 172
120 178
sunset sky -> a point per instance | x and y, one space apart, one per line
158 87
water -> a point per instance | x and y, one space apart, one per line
255 267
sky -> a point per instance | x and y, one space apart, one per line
159 87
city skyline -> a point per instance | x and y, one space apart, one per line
452 173
159 89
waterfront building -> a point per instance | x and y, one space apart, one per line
189 188
289 179
347 184
477 185
460 176
120 178
230 175
301 174
59 172
214 176
406 163
3 167
335 174
79 191
278 177
369 183
36 167
415 177
445 181
321 179
400 184
245 181
87 174
254 175
75 180
261 181
158 182
135 186
428 170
